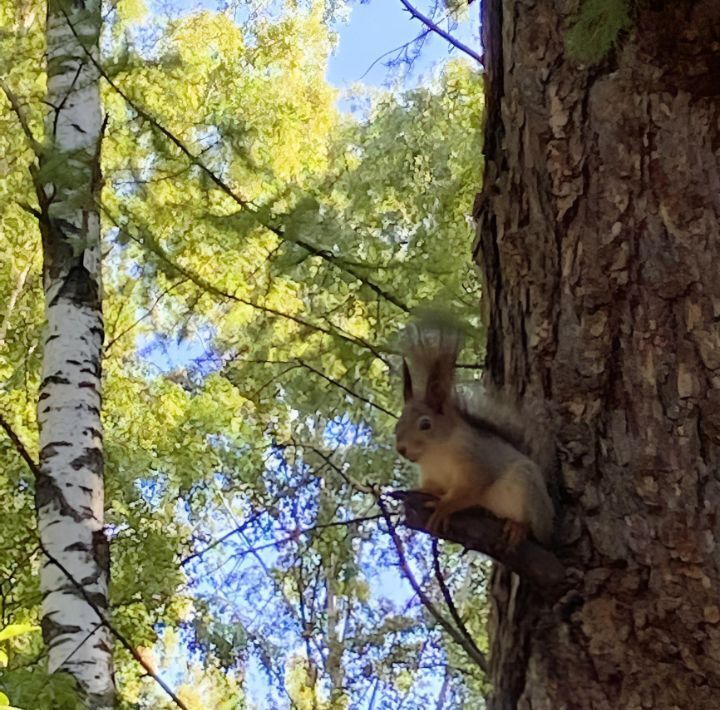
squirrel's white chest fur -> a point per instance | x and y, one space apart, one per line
445 472
440 469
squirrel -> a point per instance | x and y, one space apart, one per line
471 451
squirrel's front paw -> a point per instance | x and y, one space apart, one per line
437 523
514 532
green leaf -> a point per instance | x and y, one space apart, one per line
17 630
597 28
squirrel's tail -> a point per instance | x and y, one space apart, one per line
521 425
542 512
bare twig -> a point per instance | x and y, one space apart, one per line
471 650
346 389
357 485
22 119
441 32
423 34
448 597
19 446
440 704
12 301
276 543
404 46
235 531
145 315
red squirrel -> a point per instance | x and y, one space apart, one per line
471 451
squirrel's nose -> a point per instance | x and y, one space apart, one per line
401 449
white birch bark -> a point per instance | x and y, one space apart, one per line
69 494
335 648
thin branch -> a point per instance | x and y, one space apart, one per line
119 636
338 262
439 31
290 538
376 685
301 363
22 119
12 301
478 529
19 446
404 46
440 704
153 246
471 650
361 487
307 634
448 597
235 531
423 34
145 315
352 393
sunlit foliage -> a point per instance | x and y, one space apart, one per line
261 251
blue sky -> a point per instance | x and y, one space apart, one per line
380 26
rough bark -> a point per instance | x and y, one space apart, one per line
69 489
599 240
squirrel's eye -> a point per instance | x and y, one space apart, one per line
424 423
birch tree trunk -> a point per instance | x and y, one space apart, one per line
599 238
69 495
333 663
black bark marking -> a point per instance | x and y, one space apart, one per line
88 408
80 288
51 449
91 459
77 546
54 380
47 493
51 629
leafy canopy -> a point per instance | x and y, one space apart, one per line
252 295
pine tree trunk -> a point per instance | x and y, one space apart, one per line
69 494
599 237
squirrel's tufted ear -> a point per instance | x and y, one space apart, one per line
439 385
407 382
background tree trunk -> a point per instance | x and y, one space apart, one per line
598 236
69 492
